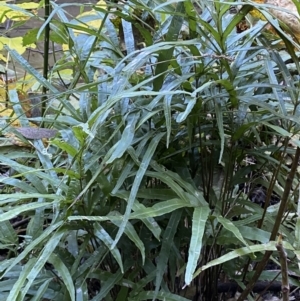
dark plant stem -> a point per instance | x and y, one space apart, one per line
46 55
285 197
285 288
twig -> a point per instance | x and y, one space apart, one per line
285 287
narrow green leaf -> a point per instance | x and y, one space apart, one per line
20 209
101 233
7 234
108 285
41 291
4 198
128 167
220 123
36 223
82 292
14 54
31 246
227 224
165 56
160 208
278 129
133 236
137 181
64 273
164 254
30 69
128 134
41 260
200 216
270 246
193 195
254 234
163 296
64 146
191 101
17 290
192 17
168 117
297 229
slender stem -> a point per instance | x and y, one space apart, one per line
285 287
46 54
285 197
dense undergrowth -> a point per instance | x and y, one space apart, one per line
169 120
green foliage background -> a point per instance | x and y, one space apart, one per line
141 191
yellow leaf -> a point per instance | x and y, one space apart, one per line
3 58
15 43
9 13
101 3
65 47
3 88
29 5
95 23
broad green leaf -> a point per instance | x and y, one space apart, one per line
34 176
28 172
90 263
200 216
128 167
192 17
143 213
138 286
